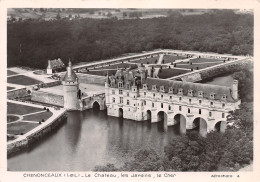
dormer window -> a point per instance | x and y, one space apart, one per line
190 93
170 90
154 88
224 97
162 88
145 86
180 91
200 94
120 85
212 96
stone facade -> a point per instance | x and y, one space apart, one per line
190 104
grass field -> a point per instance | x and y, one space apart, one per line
115 66
149 60
10 88
11 118
171 58
194 65
203 60
20 127
38 117
21 109
9 73
101 72
22 80
167 73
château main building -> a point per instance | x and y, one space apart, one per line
133 95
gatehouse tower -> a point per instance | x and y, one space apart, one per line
70 89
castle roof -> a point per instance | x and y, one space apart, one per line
70 75
207 89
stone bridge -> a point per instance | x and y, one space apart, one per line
95 101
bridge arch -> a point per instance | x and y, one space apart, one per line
202 125
162 117
220 126
181 120
120 112
148 115
96 106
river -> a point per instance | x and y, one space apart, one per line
91 138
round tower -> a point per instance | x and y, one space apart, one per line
70 89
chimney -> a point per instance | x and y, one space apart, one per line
49 64
69 69
235 89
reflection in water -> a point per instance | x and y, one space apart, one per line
91 138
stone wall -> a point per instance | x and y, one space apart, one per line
52 84
48 98
17 93
25 141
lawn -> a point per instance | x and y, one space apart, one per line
194 65
149 60
100 72
10 88
38 117
115 66
168 73
11 118
9 73
20 127
19 109
203 60
22 80
171 58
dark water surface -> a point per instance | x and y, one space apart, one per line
91 138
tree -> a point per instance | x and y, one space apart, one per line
243 117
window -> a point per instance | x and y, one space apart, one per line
199 111
152 104
127 94
210 114
179 108
127 102
170 97
120 85
200 101
153 95
223 115
144 93
121 92
161 96
121 100
211 103
114 100
169 108
113 91
134 96
161 105
180 99
223 105
200 94
188 110
190 101
144 102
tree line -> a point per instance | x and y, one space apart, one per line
31 43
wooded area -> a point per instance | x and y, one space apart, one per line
31 43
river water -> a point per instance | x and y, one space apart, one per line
90 138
